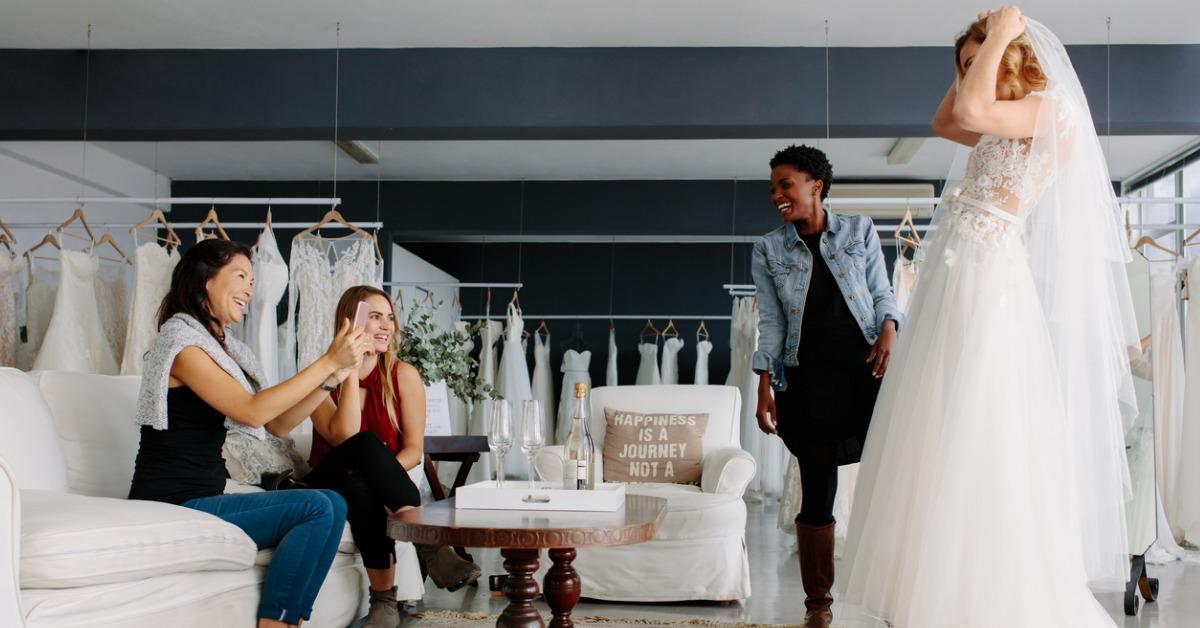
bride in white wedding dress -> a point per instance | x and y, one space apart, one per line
992 484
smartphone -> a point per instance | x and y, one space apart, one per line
360 315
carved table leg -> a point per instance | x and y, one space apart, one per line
562 587
520 589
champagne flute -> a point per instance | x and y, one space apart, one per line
532 436
500 435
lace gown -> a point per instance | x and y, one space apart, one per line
152 279
39 306
513 384
76 339
610 371
703 348
670 360
574 369
647 373
317 282
489 335
10 274
964 512
543 385
113 305
270 282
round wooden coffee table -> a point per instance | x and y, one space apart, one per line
520 534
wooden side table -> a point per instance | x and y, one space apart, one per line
520 535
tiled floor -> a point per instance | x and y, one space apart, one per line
778 598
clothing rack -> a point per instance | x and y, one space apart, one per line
169 200
451 284
608 317
193 225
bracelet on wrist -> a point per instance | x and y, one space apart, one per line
327 387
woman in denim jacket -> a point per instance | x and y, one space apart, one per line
827 322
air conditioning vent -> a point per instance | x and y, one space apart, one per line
883 190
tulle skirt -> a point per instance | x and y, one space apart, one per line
963 515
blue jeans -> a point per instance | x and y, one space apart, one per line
304 527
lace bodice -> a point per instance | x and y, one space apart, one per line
317 282
999 173
10 269
151 282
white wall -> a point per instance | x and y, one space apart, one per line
406 266
52 169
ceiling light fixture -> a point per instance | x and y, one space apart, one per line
903 150
359 151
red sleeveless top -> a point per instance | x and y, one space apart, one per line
374 416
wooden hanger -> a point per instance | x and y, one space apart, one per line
1188 240
8 242
487 306
266 228
907 221
670 331
1149 241
702 332
334 216
214 221
4 229
108 239
158 216
649 330
456 302
516 300
543 330
46 239
77 216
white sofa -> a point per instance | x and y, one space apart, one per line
75 552
700 551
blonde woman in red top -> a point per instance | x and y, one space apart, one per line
367 435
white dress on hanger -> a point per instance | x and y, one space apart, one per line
670 360
610 372
904 281
647 373
489 335
543 386
10 272
512 383
75 339
574 368
1169 380
1187 494
113 306
152 280
703 348
270 282
316 284
39 306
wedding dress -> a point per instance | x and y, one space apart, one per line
574 369
75 338
10 272
647 373
1166 355
610 372
270 282
316 284
703 348
112 305
992 485
904 281
543 386
481 410
512 383
1187 494
152 280
670 360
40 294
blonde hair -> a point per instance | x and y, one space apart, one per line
1016 65
388 360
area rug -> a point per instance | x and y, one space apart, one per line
456 619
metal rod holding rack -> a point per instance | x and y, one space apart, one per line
193 225
606 317
169 200
451 284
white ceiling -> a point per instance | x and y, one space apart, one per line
485 23
573 160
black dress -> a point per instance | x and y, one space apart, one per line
826 410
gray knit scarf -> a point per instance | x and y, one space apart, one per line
182 330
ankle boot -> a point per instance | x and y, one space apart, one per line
447 569
384 611
816 572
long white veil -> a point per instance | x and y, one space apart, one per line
1077 253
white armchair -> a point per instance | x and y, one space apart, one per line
700 550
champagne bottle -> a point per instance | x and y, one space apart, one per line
577 467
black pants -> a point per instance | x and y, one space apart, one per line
819 482
366 473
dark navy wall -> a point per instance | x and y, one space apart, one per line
542 93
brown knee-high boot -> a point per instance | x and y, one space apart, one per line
816 572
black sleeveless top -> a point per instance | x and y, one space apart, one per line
184 461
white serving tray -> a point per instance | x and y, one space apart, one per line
516 496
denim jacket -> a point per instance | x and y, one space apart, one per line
782 267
